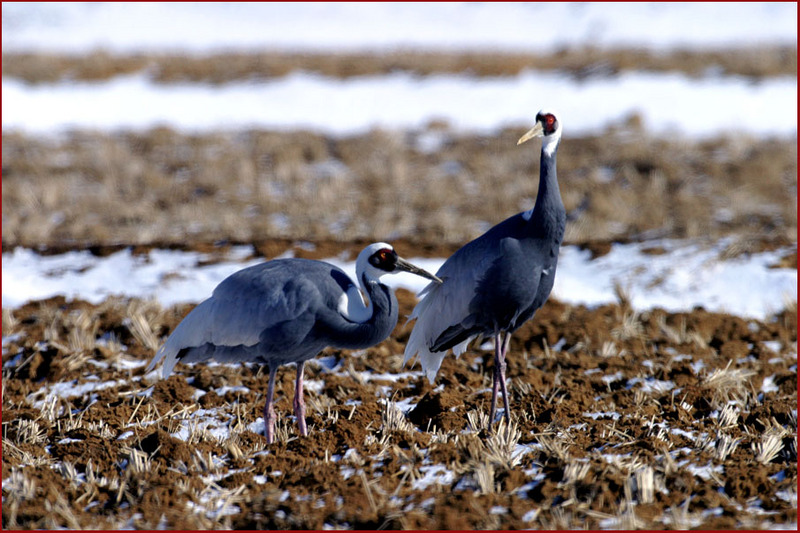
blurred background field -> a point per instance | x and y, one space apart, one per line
164 187
233 132
114 138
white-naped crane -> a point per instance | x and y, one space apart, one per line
287 311
495 283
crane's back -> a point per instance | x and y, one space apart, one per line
264 313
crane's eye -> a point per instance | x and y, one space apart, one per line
383 259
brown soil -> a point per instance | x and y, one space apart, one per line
620 420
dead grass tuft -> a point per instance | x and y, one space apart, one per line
725 445
574 472
393 419
484 475
729 385
644 484
25 458
19 487
502 443
727 418
59 510
770 445
10 323
630 328
555 446
680 334
143 332
477 420
28 431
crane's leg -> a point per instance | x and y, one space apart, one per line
506 343
269 409
299 403
499 370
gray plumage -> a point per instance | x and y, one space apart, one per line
287 311
495 283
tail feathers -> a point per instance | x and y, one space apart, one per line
458 349
435 313
169 363
430 362
453 336
417 345
418 309
172 353
175 346
160 353
169 353
420 342
193 330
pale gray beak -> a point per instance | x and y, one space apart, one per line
536 131
404 265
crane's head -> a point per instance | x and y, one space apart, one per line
548 126
380 258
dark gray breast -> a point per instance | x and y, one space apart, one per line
520 276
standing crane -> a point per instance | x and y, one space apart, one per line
287 311
495 283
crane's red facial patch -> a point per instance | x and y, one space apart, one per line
550 124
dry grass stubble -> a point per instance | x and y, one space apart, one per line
163 187
649 420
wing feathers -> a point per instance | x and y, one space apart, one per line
442 307
242 314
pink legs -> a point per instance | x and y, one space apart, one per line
499 382
299 404
269 409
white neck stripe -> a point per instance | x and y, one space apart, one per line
550 143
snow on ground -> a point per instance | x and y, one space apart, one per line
201 27
688 275
667 103
707 105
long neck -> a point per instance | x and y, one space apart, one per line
548 212
356 336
